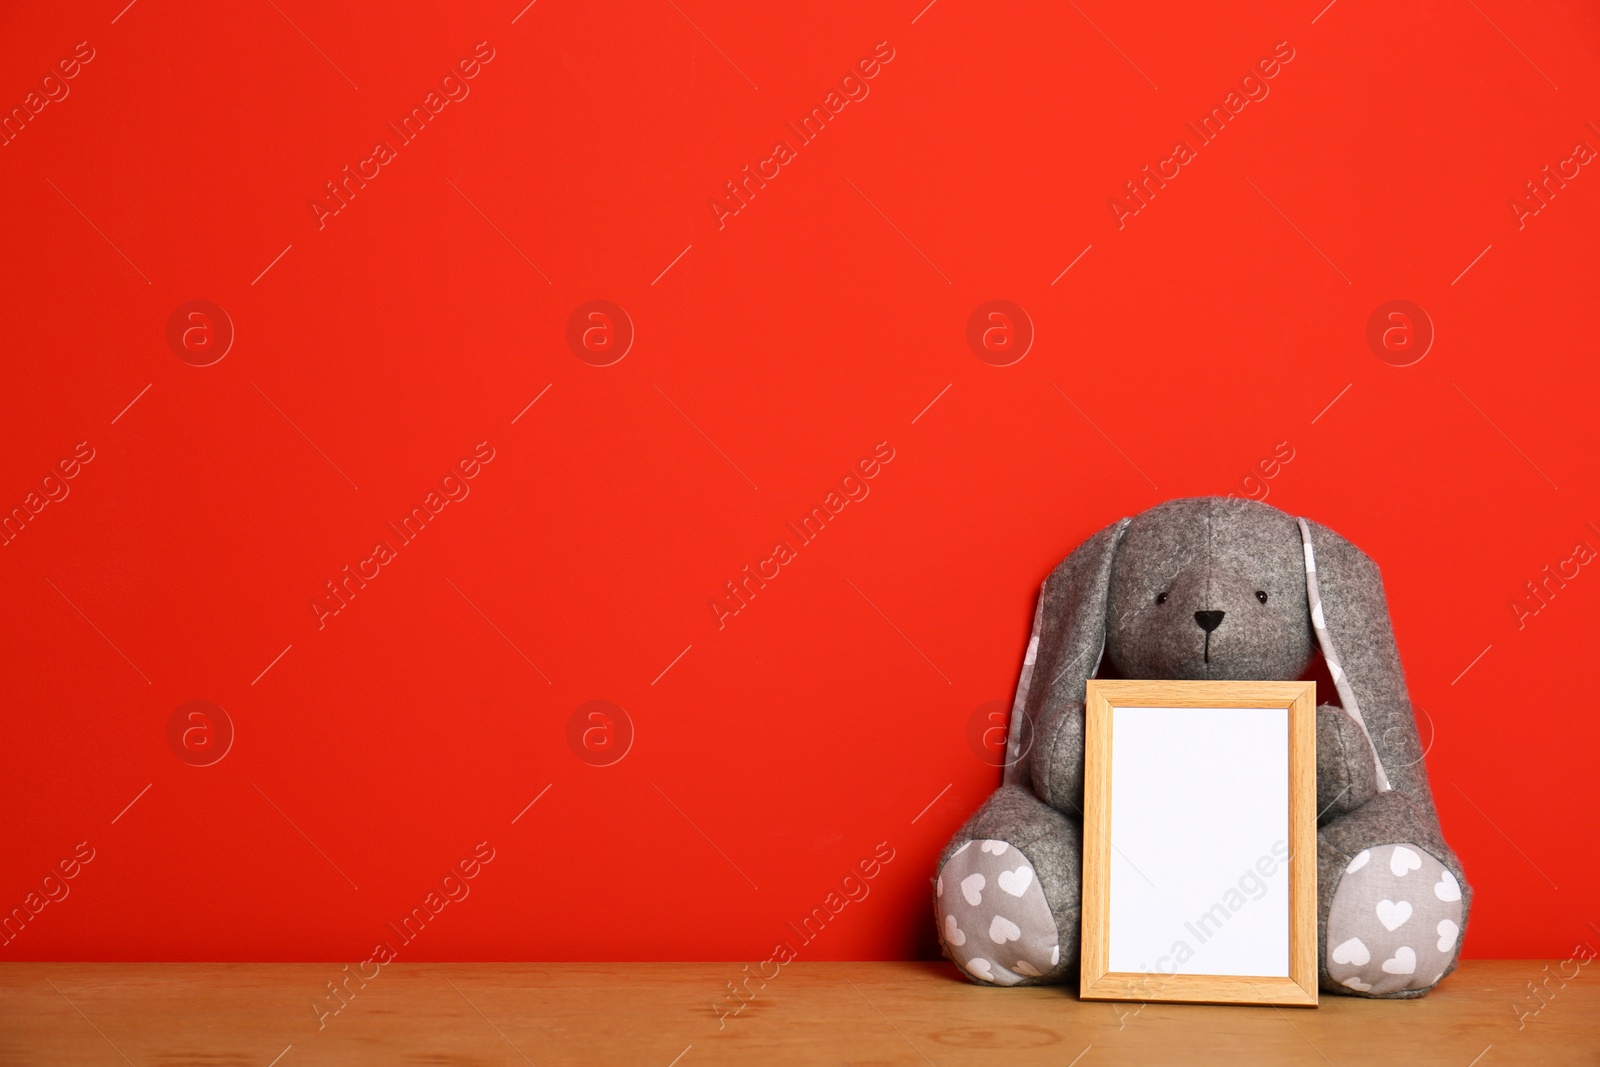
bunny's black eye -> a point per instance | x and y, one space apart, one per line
1261 596
1161 598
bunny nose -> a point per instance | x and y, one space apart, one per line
1208 620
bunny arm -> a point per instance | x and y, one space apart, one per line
1057 757
1345 776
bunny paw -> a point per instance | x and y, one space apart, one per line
1395 922
993 918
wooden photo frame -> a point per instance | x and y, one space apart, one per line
1200 882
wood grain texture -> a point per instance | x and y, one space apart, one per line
1095 918
1303 841
879 1013
1299 699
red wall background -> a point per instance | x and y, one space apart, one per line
1180 349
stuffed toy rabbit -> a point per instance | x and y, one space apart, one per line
1226 589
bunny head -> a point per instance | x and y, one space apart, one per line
1214 588
1210 589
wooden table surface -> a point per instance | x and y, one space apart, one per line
668 1014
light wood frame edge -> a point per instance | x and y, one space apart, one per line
1299 699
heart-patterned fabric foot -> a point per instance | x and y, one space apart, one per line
1394 921
993 918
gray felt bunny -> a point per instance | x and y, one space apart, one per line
1227 589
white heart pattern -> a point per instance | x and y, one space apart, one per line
1394 915
960 850
1015 882
1404 962
1003 929
978 967
940 891
1356 863
1357 984
1403 860
972 888
1448 931
1024 967
1447 888
1352 951
996 847
952 932
1055 955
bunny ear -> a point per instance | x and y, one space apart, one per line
1351 618
1348 699
1069 633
